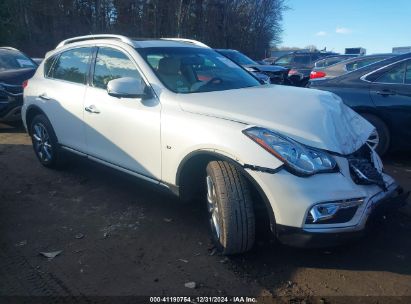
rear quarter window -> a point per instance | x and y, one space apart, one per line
48 64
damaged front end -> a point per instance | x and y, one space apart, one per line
366 167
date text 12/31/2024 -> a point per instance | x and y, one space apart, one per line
202 299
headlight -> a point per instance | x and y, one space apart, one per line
298 159
251 69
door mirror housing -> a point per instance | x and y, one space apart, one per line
128 87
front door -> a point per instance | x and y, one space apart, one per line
121 131
391 93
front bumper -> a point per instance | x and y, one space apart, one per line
380 205
291 198
10 106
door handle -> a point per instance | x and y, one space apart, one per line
92 109
386 92
44 96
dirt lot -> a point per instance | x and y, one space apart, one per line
120 237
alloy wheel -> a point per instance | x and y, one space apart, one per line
374 139
212 205
42 143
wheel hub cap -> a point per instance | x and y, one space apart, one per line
213 206
374 139
42 143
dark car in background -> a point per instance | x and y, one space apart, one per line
346 66
300 65
381 93
327 61
276 74
15 68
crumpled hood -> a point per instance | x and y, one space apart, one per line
315 118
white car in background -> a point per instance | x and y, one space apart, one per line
176 113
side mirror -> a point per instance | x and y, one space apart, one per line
127 87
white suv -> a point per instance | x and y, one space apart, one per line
177 114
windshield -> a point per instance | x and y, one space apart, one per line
193 70
13 60
238 57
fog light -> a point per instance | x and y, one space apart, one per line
334 212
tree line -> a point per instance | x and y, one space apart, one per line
36 26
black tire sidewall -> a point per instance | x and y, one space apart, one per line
216 240
236 211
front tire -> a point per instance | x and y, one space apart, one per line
45 143
230 208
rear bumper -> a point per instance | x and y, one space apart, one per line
301 237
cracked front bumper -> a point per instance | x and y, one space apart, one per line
381 204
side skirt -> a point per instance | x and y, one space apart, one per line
169 188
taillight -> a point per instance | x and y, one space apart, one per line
317 74
25 84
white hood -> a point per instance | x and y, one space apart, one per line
315 118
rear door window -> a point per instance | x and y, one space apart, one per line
408 73
73 65
394 75
284 60
302 59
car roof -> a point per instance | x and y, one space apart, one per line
9 48
135 42
359 58
226 50
372 67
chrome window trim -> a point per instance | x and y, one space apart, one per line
363 78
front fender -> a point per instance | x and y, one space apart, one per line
211 135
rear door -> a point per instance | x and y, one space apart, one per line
391 93
62 93
121 131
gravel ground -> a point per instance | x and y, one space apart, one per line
118 236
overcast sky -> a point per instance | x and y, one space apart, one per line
377 25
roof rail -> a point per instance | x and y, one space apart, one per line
191 41
9 48
93 37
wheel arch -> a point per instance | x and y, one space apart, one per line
31 112
191 170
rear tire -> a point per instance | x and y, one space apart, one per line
382 131
230 207
45 143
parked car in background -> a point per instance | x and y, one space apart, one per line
15 68
346 66
276 74
269 60
327 61
275 155
300 65
381 93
